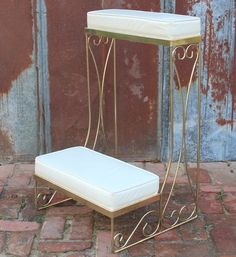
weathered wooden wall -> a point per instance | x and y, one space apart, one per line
18 81
43 99
218 76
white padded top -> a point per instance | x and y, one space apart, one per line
166 26
105 181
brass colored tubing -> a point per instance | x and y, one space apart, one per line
115 99
88 90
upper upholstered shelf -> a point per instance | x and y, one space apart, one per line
154 25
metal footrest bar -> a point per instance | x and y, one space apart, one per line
120 244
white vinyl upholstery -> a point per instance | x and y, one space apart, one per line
165 26
105 181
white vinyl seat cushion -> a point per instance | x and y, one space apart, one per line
165 26
103 180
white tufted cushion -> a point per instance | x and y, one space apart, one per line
105 181
164 26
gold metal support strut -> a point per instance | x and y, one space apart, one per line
88 90
199 125
115 99
171 129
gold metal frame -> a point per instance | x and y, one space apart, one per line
184 49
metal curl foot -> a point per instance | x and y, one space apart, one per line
44 200
149 230
181 215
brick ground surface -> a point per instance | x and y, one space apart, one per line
74 230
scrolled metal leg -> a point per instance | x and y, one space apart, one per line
45 200
168 218
180 53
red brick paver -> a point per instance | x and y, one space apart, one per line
2 241
75 255
171 235
6 171
19 180
9 208
20 244
224 239
1 187
73 230
18 226
223 232
227 256
61 247
230 202
209 203
53 228
183 250
194 231
144 249
81 228
103 244
68 211
203 178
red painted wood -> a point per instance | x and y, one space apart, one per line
67 70
16 47
16 41
137 81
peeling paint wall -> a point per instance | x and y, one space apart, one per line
66 21
18 96
218 76
137 87
43 97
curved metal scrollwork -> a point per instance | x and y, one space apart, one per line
184 52
188 53
45 200
147 230
100 40
101 75
183 214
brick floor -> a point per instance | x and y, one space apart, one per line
76 231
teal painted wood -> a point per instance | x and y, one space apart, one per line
218 106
